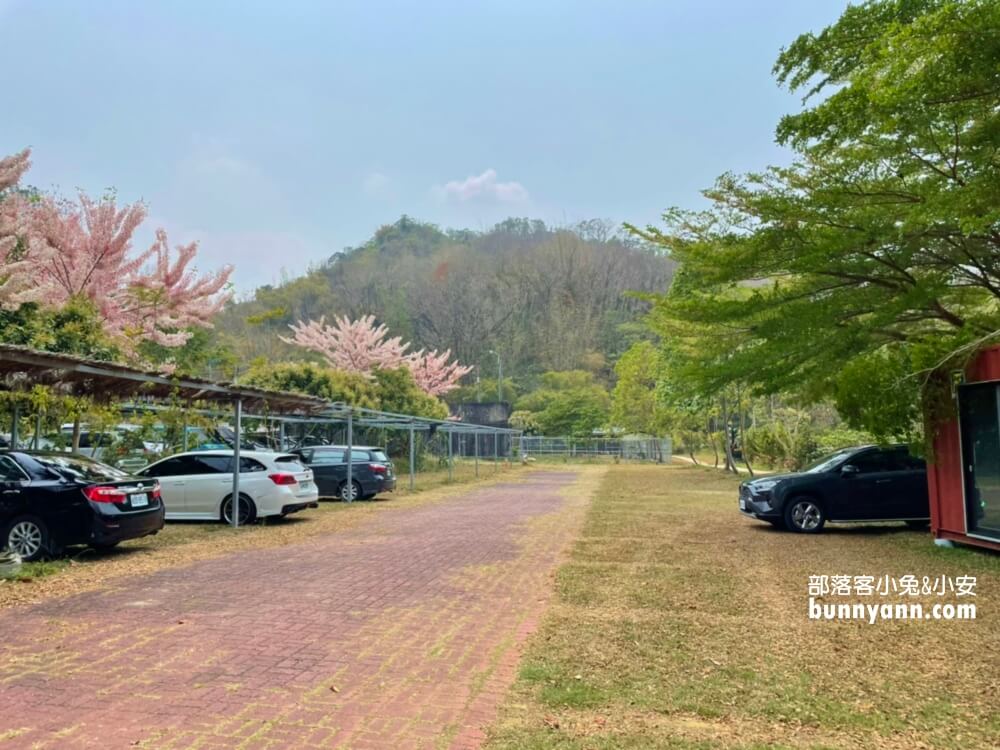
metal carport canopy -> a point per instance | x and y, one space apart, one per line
77 376
105 381
21 367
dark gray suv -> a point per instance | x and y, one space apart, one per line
867 483
371 472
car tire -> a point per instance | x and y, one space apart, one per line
346 495
28 536
804 515
248 511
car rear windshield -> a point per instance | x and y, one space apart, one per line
80 468
380 456
290 463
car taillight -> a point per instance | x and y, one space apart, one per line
283 478
101 494
377 468
155 492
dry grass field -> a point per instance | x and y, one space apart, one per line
677 623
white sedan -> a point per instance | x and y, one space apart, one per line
198 485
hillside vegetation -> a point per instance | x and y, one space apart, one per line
545 298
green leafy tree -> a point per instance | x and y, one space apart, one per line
314 380
880 243
567 402
398 392
635 403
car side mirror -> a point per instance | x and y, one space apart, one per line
849 471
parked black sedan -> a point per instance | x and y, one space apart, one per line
868 483
49 501
371 471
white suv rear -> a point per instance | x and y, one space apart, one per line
198 485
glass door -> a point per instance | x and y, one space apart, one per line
979 407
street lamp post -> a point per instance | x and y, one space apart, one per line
499 375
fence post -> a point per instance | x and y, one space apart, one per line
350 457
450 475
413 457
475 437
234 500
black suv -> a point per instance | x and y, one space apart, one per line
868 483
371 471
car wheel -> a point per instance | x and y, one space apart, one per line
248 511
349 493
804 515
28 537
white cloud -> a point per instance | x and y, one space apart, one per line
483 186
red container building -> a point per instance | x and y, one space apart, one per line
963 475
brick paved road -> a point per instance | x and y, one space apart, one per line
401 633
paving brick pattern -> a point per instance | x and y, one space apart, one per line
400 633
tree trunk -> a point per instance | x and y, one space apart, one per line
715 445
726 445
76 434
743 442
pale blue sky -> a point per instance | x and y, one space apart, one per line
277 133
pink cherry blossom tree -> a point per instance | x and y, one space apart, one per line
53 251
433 373
84 250
357 346
360 346
14 262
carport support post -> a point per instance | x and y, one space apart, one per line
38 430
475 436
234 505
350 456
413 458
281 435
15 418
496 437
450 436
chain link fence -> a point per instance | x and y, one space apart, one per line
630 448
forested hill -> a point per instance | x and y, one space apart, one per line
546 299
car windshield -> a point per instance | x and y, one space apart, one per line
80 468
829 462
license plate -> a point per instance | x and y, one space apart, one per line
743 503
306 485
139 501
